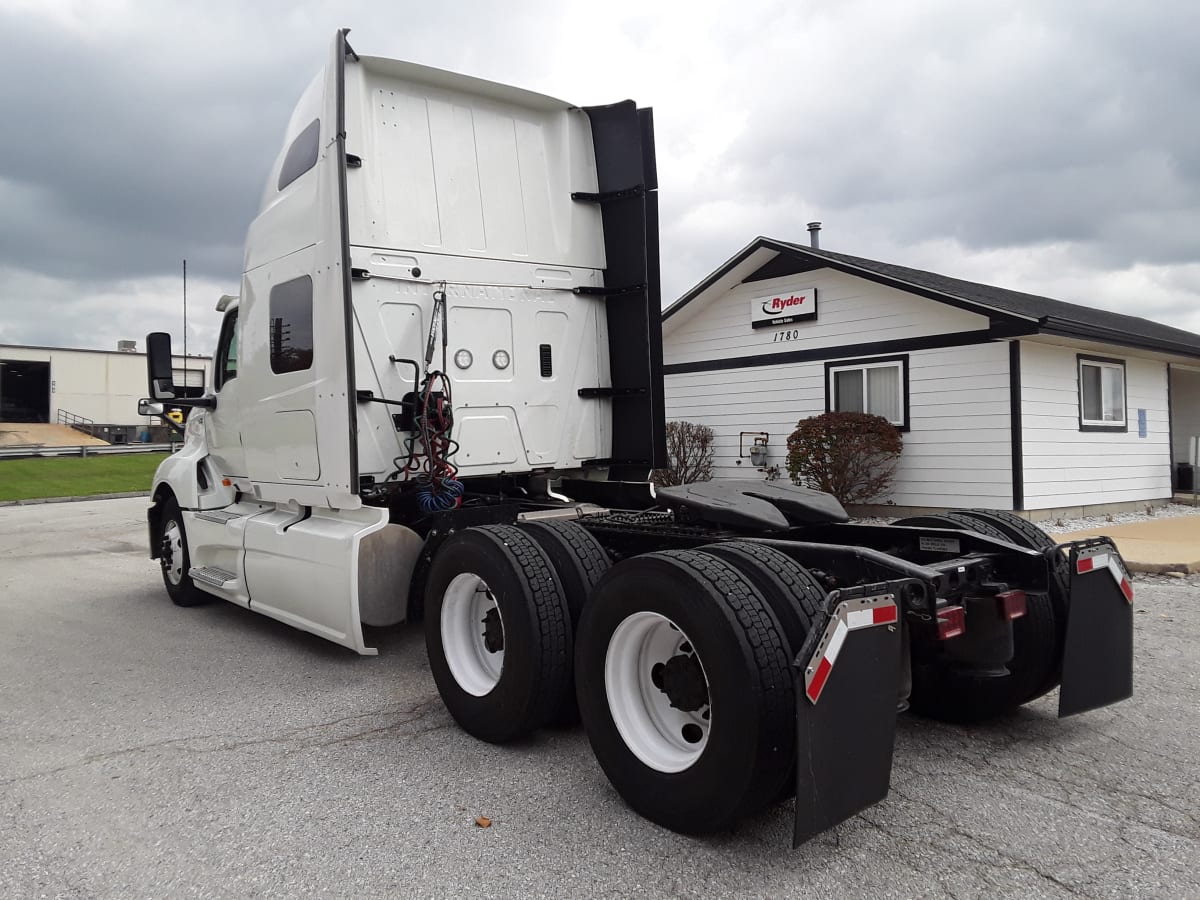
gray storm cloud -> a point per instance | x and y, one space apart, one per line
1048 147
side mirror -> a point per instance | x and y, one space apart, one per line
149 408
158 366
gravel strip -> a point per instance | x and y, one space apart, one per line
1065 526
1170 511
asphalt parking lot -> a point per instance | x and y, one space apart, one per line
147 750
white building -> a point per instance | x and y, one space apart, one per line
62 384
1006 400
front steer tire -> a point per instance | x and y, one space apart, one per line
722 620
498 632
174 559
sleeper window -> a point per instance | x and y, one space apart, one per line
301 155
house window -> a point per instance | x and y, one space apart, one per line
292 325
876 386
1101 394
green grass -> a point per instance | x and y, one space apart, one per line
74 476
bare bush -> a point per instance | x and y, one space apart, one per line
689 455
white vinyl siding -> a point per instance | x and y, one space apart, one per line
850 311
1064 466
956 453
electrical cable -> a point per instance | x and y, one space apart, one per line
429 446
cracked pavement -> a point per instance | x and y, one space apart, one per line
147 750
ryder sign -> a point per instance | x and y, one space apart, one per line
783 308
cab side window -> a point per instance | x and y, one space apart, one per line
227 352
291 315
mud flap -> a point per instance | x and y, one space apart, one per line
1097 664
847 686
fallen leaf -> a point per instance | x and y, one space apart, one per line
483 821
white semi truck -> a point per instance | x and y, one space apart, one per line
438 396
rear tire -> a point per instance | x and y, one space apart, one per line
791 591
174 559
579 562
667 638
944 692
497 631
1026 534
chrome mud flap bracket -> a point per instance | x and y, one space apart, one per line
1097 666
847 683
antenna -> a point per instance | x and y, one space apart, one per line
185 362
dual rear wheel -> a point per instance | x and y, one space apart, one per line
681 660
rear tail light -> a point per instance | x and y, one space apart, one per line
1012 604
951 622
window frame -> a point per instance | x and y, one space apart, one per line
228 336
1102 362
872 362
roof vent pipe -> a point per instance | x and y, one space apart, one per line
814 235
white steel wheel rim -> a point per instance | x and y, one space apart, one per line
173 541
651 727
466 605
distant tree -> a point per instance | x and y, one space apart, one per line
689 455
850 455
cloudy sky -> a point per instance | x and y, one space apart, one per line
1049 146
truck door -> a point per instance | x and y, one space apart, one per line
223 424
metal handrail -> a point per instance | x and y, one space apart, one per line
79 423
110 450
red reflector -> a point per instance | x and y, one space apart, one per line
951 622
824 667
885 614
1012 604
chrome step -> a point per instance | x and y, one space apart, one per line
220 516
211 575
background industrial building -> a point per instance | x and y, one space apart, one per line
93 390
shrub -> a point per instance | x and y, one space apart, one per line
689 455
850 455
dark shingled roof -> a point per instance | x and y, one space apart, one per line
1051 316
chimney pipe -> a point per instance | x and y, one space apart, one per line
814 235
